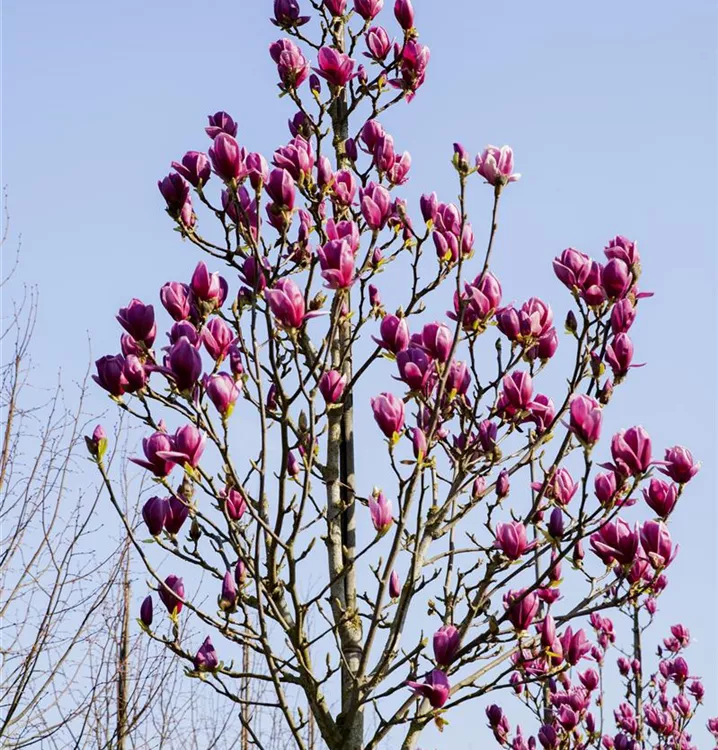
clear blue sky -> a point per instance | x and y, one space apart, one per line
610 108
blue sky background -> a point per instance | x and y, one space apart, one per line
610 109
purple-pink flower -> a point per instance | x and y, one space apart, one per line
435 688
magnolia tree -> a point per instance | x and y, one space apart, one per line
313 585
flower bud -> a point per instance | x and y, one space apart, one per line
146 611
394 585
228 598
502 484
206 659
154 513
380 509
97 443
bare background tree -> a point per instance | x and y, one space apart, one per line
74 669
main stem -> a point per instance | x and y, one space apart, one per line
350 629
123 654
638 673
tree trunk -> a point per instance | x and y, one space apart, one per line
123 653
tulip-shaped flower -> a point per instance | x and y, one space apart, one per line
679 465
154 513
176 298
496 166
381 512
458 380
515 398
209 288
446 642
561 487
619 355
605 486
184 328
287 304
616 278
617 542
394 333
228 158
194 167
146 611
572 268
206 659
416 369
389 414
138 320
220 122
437 339
111 374
337 263
187 446
171 593
521 608
185 364
292 66
661 497
631 451
235 503
153 446
136 373
336 67
375 205
503 486
435 688
336 7
404 14
622 316
227 600
657 544
368 9
177 512
222 391
175 191
218 338
511 539
331 386
585 419
575 645
378 43
297 158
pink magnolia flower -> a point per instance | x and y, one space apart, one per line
292 66
496 165
331 386
631 451
389 414
187 446
287 304
337 262
585 419
446 642
336 67
521 607
206 659
381 512
511 539
617 542
394 333
679 465
435 688
657 544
